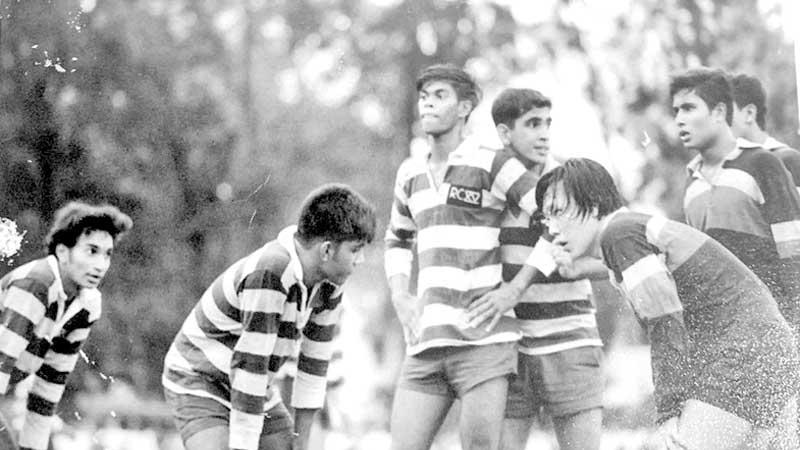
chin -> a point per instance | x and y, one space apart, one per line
432 131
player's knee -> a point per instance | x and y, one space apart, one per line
480 441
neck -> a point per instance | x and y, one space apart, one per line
70 287
310 264
443 144
756 135
532 166
719 148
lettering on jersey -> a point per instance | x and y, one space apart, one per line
464 196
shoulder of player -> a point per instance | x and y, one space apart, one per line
36 276
623 226
411 167
786 153
264 267
758 160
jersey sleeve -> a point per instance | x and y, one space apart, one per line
261 296
401 232
651 292
781 207
50 380
316 350
24 305
791 160
515 184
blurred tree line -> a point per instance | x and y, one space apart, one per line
208 121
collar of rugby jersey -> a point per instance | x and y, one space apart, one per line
295 273
773 144
693 168
57 288
466 146
607 219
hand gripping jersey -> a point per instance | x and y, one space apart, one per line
455 227
554 314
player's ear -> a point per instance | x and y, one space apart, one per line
750 111
61 252
504 133
464 108
719 112
326 250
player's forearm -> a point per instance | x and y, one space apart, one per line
523 279
303 418
398 286
397 260
590 267
669 348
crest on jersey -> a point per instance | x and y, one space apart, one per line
464 196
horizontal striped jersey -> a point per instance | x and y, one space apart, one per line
752 208
705 312
42 331
455 227
554 313
248 322
790 157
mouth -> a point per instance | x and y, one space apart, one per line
94 279
684 135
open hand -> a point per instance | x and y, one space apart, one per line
491 306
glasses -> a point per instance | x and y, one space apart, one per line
557 216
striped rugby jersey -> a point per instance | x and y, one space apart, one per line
41 332
789 157
705 312
752 207
554 314
252 318
455 227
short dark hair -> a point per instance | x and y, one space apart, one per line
747 90
711 85
337 213
513 103
77 218
586 184
465 86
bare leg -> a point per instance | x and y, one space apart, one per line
705 427
416 417
213 438
482 413
515 433
783 436
216 438
6 437
580 431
